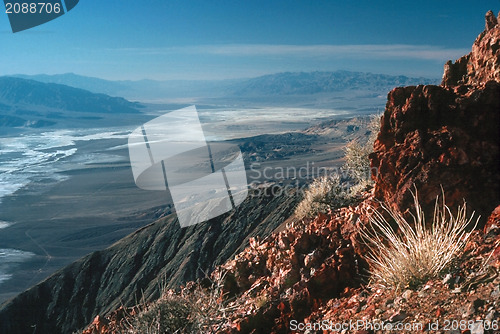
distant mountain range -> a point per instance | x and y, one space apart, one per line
289 83
94 85
139 89
323 82
46 100
31 103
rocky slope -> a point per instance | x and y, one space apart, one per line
313 274
161 254
440 138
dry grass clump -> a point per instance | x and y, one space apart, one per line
415 253
194 310
323 194
170 314
357 162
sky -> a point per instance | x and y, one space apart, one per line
215 39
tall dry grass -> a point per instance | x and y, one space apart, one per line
413 253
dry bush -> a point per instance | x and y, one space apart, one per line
415 253
323 194
170 314
194 310
357 162
328 192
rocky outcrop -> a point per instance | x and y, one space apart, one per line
482 64
159 255
445 136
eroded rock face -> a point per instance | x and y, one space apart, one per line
445 136
482 64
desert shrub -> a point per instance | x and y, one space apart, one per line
195 309
413 253
170 314
357 163
330 192
323 194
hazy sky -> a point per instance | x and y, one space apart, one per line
211 39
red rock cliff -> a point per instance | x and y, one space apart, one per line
446 135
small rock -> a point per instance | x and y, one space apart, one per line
447 278
495 294
491 20
439 311
308 260
423 293
407 294
370 310
398 316
470 310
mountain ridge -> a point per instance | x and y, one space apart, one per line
304 83
30 103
